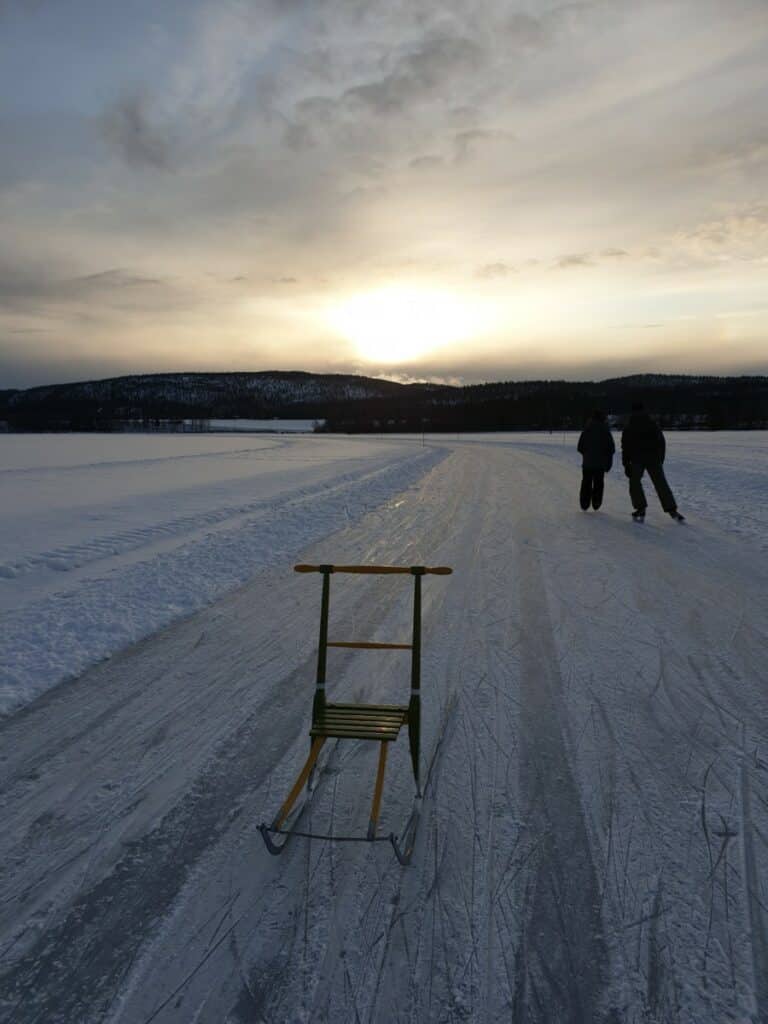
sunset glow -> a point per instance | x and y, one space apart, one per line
488 191
401 325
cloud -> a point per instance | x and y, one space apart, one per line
528 31
748 225
575 259
466 144
737 237
417 74
113 278
323 148
298 137
492 271
420 163
591 259
127 127
43 286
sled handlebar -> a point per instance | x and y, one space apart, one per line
383 570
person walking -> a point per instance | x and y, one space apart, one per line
643 447
597 448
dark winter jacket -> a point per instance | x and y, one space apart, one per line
642 441
596 446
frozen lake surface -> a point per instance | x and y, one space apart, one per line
265 426
106 538
594 842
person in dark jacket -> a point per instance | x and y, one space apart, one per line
643 447
597 448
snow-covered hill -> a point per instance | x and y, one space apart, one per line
364 404
210 389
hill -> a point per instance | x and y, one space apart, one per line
350 403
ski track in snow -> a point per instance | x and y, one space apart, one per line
594 838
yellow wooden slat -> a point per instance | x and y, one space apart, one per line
388 720
303 776
376 806
382 570
366 645
367 707
352 733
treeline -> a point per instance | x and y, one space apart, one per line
147 399
365 405
695 404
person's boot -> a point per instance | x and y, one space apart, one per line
676 516
639 515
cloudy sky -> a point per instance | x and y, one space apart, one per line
447 190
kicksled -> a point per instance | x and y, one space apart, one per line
379 723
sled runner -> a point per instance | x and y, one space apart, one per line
378 722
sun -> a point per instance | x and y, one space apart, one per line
399 325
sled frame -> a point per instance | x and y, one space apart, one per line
379 723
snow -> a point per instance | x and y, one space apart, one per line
105 540
594 838
265 426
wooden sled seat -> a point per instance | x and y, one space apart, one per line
360 721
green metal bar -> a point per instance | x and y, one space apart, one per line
318 704
414 706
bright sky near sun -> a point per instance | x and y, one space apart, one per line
444 190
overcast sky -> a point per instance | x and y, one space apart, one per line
444 190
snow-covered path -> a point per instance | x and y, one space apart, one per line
593 845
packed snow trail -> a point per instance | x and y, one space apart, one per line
593 845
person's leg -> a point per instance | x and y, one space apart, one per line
598 482
664 491
586 488
636 492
